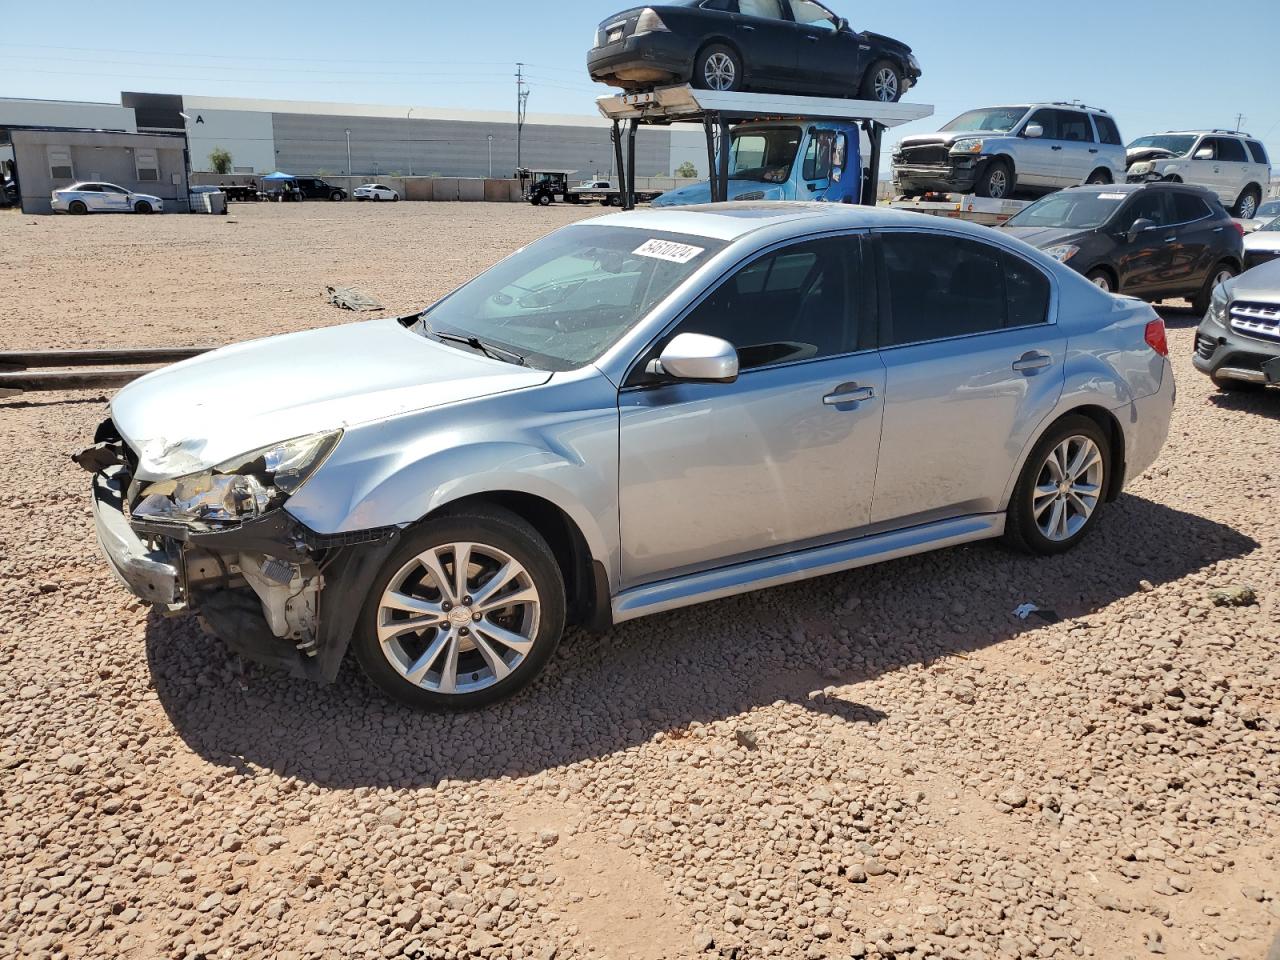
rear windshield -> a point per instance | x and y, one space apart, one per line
1177 144
562 301
993 119
1083 210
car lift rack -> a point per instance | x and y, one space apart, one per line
717 110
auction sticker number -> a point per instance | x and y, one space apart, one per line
667 250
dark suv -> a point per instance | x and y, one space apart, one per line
313 188
1155 241
1238 342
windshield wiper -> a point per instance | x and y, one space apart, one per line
492 351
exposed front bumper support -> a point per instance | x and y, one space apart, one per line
149 574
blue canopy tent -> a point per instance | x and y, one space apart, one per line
277 176
281 186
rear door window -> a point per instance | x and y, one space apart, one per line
942 286
1187 207
1108 132
1073 125
1231 150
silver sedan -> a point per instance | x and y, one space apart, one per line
633 414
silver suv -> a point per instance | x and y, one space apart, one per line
1233 165
993 151
630 415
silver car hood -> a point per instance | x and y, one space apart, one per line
202 412
1260 283
1262 240
945 139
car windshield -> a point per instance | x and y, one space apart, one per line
1081 210
765 155
993 119
1273 226
1177 144
562 301
1269 209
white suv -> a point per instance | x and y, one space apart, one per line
1233 165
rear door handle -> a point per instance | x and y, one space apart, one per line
848 393
746 28
1032 360
811 37
1055 148
1093 149
1172 239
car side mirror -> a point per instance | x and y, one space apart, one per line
1033 131
1205 154
1140 226
842 25
697 358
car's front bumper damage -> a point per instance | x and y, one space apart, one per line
957 175
271 589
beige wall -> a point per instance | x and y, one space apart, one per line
98 156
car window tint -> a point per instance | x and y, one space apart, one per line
769 9
942 286
1026 292
1047 119
1074 126
1257 151
1151 206
794 304
1188 207
811 14
1108 132
1231 150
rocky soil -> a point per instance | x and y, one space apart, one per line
883 763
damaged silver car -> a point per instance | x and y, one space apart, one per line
630 415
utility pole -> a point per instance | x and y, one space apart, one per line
1239 121
522 106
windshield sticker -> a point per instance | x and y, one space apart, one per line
1111 196
667 250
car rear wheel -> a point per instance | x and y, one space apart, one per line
1102 279
1061 489
883 82
997 181
1099 176
142 207
77 207
467 611
1247 204
1217 276
718 67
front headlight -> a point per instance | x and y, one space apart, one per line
243 487
913 62
1143 168
1219 304
967 146
1062 252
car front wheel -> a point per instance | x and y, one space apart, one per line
142 207
996 181
883 82
466 612
1061 488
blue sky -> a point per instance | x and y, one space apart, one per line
1175 64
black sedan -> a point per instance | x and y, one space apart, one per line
1155 241
766 46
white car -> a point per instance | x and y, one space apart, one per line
103 198
1263 245
375 191
1233 165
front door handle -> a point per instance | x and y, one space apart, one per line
1032 360
1093 149
812 38
745 28
848 393
1055 148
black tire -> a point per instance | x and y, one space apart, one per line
395 198
711 57
142 207
882 82
1021 530
1219 274
77 207
1247 203
1099 176
482 526
997 181
337 195
1103 279
544 199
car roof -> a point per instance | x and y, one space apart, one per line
1165 186
737 219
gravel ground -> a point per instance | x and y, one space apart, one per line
880 763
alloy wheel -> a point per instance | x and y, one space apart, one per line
886 86
458 618
1248 207
1068 488
998 184
720 72
1102 282
1221 277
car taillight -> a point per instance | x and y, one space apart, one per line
650 22
1156 339
1239 227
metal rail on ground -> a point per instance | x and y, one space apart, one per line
23 371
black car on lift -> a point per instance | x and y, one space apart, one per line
765 46
1156 241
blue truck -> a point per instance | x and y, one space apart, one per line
786 160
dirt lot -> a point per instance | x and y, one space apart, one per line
881 763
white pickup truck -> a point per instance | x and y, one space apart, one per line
605 192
